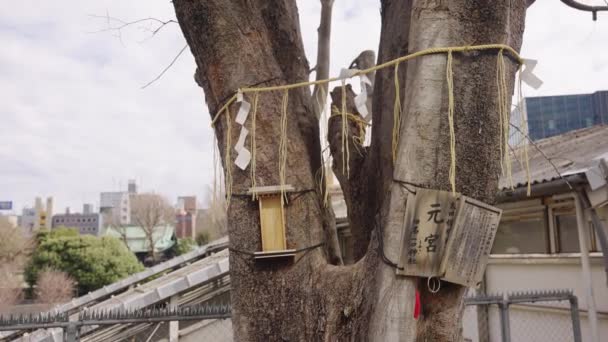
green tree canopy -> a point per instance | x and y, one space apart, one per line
92 261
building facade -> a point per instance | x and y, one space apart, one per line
548 116
185 225
185 218
33 219
115 206
87 222
551 240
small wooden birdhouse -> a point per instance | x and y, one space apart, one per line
272 222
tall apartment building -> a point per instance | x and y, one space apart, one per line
553 115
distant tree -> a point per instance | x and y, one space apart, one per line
183 246
109 221
14 245
61 231
151 211
91 261
213 220
54 287
14 252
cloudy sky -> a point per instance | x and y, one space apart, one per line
74 120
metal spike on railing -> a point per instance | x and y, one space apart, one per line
29 318
88 316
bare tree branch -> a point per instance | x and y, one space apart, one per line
319 93
166 68
54 287
121 24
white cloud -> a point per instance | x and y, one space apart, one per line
74 121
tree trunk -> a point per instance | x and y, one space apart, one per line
240 44
151 245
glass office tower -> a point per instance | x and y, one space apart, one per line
553 115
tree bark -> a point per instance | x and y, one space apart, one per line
423 151
257 42
240 44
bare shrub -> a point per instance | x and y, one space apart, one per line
10 286
54 287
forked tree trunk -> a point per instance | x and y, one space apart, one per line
258 42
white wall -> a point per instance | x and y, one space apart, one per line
542 321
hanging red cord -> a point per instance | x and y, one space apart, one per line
417 305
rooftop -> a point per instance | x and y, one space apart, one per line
570 153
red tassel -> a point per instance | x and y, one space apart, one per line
417 305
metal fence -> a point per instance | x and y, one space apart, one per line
537 316
533 316
132 324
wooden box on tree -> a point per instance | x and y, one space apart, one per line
272 222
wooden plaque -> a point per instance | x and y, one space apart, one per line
467 251
429 216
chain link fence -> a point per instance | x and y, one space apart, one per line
541 316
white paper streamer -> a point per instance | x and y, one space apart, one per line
243 158
241 116
361 99
347 73
527 74
240 144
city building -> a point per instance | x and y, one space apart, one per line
548 116
187 203
33 219
132 187
87 222
116 208
11 219
28 221
185 217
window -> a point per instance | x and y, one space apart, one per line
544 226
566 233
522 234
